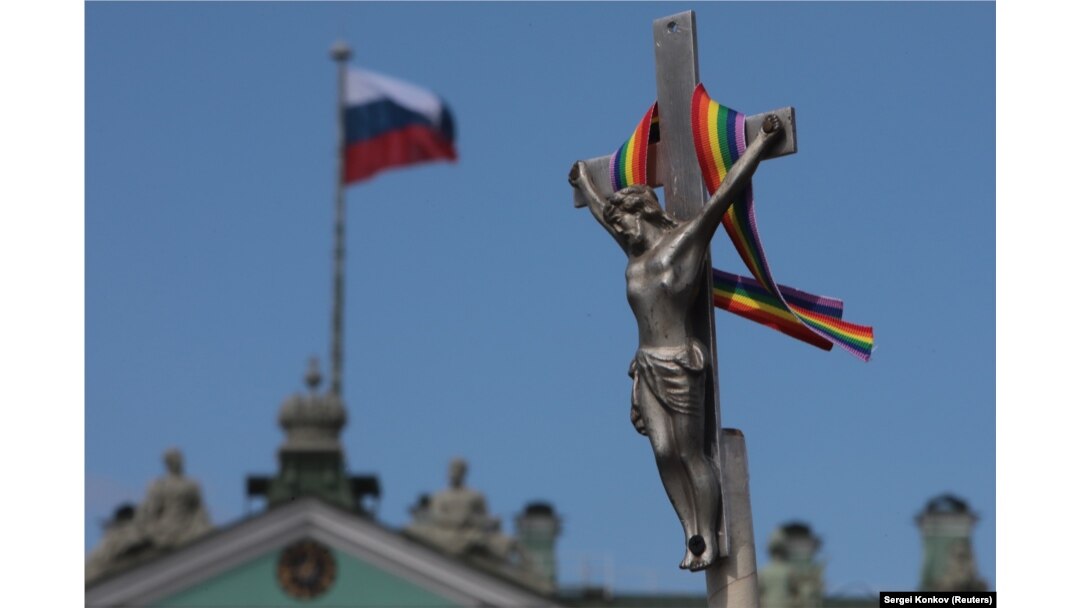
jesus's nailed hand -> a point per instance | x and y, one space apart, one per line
771 124
575 174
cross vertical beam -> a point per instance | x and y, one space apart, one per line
677 168
732 579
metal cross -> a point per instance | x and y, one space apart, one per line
732 580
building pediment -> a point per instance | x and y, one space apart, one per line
252 548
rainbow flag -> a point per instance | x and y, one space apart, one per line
720 139
630 163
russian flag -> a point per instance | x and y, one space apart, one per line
390 123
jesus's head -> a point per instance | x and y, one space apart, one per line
628 208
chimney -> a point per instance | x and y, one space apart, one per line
948 559
537 528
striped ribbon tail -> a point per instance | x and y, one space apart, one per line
720 139
630 163
746 297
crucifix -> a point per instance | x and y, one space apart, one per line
675 393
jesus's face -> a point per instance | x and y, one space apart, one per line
628 226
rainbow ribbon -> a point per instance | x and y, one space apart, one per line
630 163
720 139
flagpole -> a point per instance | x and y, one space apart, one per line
339 53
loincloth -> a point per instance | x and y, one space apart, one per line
674 374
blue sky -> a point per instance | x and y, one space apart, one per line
486 316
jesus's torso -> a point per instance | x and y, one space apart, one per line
660 287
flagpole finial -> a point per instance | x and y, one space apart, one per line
340 51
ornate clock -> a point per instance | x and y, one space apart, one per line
306 569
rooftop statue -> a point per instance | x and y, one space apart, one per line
171 514
456 520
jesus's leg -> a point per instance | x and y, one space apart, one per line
705 487
673 474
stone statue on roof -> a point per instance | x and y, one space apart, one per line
456 520
172 514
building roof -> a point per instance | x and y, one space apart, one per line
309 518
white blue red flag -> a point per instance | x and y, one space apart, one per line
390 123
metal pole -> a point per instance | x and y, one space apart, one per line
340 53
732 582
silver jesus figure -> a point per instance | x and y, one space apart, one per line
665 260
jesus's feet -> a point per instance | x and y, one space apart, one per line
699 554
